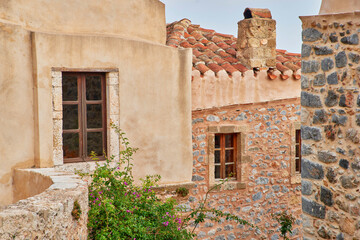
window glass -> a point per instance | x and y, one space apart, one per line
94 115
70 117
71 145
93 88
70 88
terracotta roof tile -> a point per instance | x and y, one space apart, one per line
215 67
215 51
202 68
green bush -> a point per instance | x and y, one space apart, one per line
119 209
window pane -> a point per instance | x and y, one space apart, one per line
70 117
93 87
217 156
217 171
94 143
297 150
229 140
69 88
229 155
71 145
229 170
94 115
217 141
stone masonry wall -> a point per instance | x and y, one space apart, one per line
47 215
267 184
331 126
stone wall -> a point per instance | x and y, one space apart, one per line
267 183
330 126
47 215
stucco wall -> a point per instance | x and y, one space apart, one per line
330 126
154 96
142 19
16 97
210 90
336 6
154 83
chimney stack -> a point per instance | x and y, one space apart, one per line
257 39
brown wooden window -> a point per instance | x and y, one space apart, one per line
225 155
298 151
84 118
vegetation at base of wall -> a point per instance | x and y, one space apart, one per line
76 212
286 220
182 191
120 209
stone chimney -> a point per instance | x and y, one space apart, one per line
257 39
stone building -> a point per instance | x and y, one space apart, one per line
245 121
68 70
331 122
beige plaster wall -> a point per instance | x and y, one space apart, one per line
142 19
154 93
219 90
336 6
16 97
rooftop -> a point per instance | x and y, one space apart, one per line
215 52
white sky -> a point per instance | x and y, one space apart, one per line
223 15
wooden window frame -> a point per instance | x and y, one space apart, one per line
222 150
82 103
297 150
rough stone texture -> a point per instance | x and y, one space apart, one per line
48 214
270 185
313 208
327 156
327 64
309 66
311 35
311 170
319 80
341 59
330 133
332 79
310 100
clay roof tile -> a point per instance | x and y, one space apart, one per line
215 51
215 67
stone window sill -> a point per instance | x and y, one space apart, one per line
231 185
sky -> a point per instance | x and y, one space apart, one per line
223 15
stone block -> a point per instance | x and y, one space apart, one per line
353 57
311 170
351 40
57 98
349 182
310 133
332 79
320 116
319 50
327 64
306 149
340 59
333 38
310 100
326 196
306 187
331 99
311 66
326 156
305 83
319 80
311 35
313 208
305 50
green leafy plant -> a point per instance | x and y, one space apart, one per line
121 209
76 212
182 191
286 220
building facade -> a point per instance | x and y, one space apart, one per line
245 125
